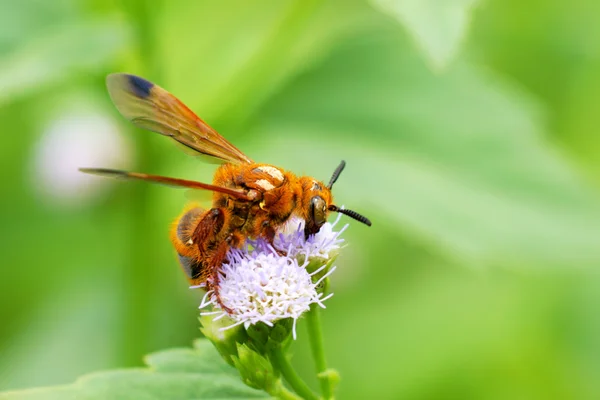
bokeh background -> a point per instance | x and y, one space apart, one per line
470 129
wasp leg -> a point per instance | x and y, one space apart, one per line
215 264
234 239
196 240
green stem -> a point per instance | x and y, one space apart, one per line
281 392
315 337
283 364
140 278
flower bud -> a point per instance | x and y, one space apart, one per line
225 340
256 370
331 375
258 336
282 330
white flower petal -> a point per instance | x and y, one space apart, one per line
258 284
324 244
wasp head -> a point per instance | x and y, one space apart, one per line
318 202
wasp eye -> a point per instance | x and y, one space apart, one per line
318 211
317 215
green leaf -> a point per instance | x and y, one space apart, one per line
227 67
56 55
444 328
437 26
172 374
459 160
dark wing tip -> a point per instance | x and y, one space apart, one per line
140 87
115 173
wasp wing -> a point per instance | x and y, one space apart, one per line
115 173
153 108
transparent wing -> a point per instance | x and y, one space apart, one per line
153 108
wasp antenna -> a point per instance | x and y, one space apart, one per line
336 174
351 214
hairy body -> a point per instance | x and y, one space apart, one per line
202 237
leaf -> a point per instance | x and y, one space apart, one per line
437 26
445 328
459 160
58 54
172 374
259 46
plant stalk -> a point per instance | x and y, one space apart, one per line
283 393
282 363
315 338
140 279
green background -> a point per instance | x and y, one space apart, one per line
471 135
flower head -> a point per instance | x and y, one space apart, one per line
264 283
259 285
324 245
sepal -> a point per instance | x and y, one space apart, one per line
224 340
256 370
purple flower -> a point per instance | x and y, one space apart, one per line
259 284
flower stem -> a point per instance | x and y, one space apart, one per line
281 392
138 315
283 364
315 337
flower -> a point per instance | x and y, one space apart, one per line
324 245
260 284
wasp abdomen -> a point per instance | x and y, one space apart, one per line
186 224
181 236
191 267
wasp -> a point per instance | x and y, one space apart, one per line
250 200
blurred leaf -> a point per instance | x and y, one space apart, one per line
173 374
249 49
59 54
437 26
569 84
583 119
23 20
456 336
459 159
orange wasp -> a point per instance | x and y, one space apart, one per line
250 200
